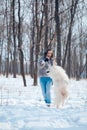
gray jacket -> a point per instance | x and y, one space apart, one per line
43 67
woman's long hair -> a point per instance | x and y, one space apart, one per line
45 53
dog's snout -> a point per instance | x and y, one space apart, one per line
48 71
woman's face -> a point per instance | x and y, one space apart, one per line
49 54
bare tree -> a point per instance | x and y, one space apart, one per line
36 44
46 24
86 65
20 45
0 63
7 57
68 45
14 40
1 48
58 32
32 42
37 37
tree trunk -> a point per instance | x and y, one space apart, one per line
31 67
57 20
36 45
7 56
73 11
14 41
20 45
0 64
46 23
86 65
68 44
1 50
69 52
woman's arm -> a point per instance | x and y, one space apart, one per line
43 62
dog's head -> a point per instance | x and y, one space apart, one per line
51 71
57 73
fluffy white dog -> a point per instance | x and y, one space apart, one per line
60 81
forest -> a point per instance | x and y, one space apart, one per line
29 27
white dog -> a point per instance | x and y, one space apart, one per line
60 81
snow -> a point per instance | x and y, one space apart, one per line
23 108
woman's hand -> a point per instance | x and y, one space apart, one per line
46 60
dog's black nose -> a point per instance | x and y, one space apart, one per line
48 71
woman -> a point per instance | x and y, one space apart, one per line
45 80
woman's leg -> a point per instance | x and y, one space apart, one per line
48 88
43 87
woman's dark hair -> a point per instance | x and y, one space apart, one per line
45 53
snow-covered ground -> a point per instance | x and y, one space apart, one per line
23 108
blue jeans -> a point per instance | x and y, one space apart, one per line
46 83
